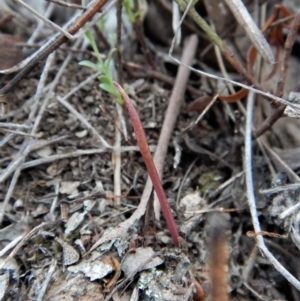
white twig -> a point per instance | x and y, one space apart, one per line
15 125
15 165
54 202
255 35
78 153
52 40
251 197
47 21
276 158
9 192
207 108
176 20
28 146
281 188
38 95
289 211
17 133
117 163
82 119
40 24
46 282
23 241
11 245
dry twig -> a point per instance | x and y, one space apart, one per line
173 110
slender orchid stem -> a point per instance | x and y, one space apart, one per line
144 149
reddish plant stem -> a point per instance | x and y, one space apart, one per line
144 149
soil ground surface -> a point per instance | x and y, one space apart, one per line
79 219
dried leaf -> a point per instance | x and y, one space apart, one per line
139 259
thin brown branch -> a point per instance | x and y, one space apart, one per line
86 16
269 121
173 110
277 113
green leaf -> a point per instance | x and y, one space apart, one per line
111 54
110 89
106 80
91 65
107 68
92 41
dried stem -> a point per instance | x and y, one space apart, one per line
220 43
173 110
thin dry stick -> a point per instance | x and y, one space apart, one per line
23 241
225 74
11 245
117 164
175 102
69 5
251 197
204 112
284 214
210 75
293 177
15 125
255 35
73 26
280 188
266 125
10 191
15 165
47 21
176 20
28 144
62 100
40 24
17 132
46 282
78 153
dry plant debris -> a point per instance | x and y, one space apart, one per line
220 113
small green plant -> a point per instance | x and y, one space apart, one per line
108 85
103 66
